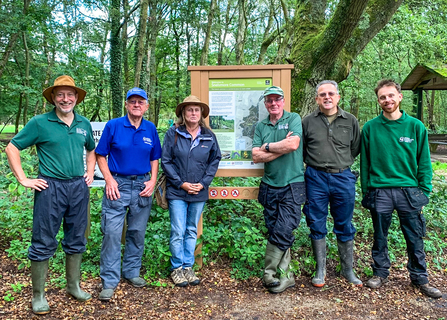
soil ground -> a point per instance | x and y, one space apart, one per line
221 297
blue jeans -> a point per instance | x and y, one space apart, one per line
184 219
137 209
336 189
408 203
282 211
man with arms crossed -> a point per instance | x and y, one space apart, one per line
331 138
60 137
277 144
396 175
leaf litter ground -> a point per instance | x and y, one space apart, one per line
221 297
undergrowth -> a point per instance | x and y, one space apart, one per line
233 230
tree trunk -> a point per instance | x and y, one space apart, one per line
268 38
206 43
141 39
27 76
321 51
178 75
151 61
8 50
223 38
241 30
19 111
124 39
115 60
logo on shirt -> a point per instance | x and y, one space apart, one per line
81 131
283 126
406 140
147 140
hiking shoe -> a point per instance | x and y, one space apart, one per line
179 278
376 282
106 294
137 282
191 276
429 291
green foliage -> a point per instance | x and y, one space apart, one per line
233 232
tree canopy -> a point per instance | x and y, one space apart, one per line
109 47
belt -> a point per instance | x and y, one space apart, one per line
330 170
132 177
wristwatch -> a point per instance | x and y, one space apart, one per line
267 147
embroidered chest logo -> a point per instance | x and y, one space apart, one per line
283 126
406 140
81 131
147 140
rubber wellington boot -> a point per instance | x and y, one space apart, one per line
39 272
319 249
73 272
272 258
286 279
345 250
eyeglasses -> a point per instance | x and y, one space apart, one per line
324 94
270 101
133 102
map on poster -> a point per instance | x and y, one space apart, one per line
236 106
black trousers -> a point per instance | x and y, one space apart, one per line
408 203
282 211
65 200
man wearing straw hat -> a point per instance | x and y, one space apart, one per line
61 188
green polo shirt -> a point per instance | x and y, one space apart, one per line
288 168
331 145
60 148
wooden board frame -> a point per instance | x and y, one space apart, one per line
200 76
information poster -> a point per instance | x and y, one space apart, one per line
236 106
98 128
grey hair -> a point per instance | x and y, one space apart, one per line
326 82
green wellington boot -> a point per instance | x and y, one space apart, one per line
73 273
345 250
272 258
39 272
287 278
319 249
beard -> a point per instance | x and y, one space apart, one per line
387 110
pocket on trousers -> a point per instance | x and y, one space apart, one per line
114 204
369 200
423 224
416 197
262 195
298 192
144 201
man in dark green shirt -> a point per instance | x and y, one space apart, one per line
61 188
396 175
331 142
277 144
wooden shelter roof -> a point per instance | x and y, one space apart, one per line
426 77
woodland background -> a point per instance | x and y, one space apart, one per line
109 47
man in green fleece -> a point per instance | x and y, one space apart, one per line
396 175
